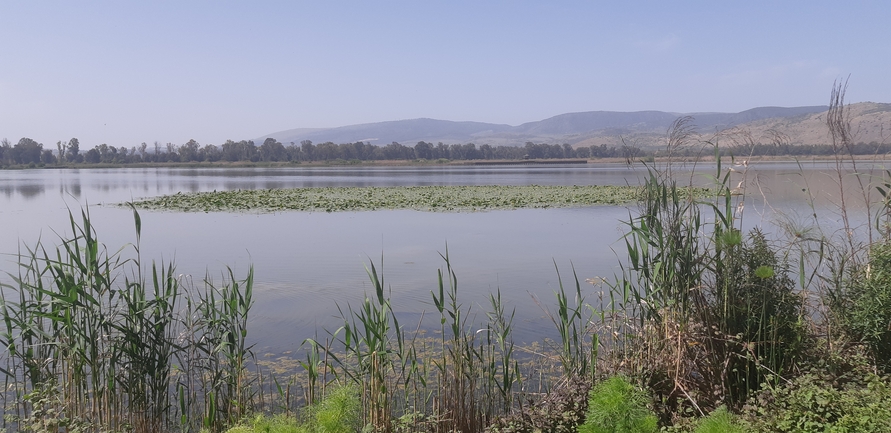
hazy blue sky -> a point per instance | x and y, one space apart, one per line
124 72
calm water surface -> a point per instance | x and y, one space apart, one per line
307 263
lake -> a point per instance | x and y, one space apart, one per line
307 263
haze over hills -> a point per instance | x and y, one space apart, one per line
870 122
802 125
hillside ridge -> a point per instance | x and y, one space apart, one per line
798 125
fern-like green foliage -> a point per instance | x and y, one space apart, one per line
338 412
269 424
617 406
719 421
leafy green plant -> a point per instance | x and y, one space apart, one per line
269 424
719 420
864 310
617 406
757 304
48 413
337 412
823 400
716 311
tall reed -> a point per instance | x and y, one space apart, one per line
716 312
102 340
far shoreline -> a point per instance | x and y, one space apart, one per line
442 162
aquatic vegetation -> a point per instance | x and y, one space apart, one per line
423 198
702 317
96 337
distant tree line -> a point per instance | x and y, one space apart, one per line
29 152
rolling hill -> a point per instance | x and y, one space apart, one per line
801 125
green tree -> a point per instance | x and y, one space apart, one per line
568 151
395 151
27 151
534 151
327 151
93 156
210 153
272 150
125 155
5 152
424 150
239 151
307 150
47 157
486 152
189 151
469 151
441 151
74 150
62 147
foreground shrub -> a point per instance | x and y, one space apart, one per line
864 310
719 421
824 400
561 411
338 412
615 405
755 303
716 310
267 424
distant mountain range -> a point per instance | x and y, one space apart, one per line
802 125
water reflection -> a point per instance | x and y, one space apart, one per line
72 189
30 191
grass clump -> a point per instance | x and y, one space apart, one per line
269 424
617 406
719 421
338 412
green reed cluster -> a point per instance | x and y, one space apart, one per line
112 344
457 382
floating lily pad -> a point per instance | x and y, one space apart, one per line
424 198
